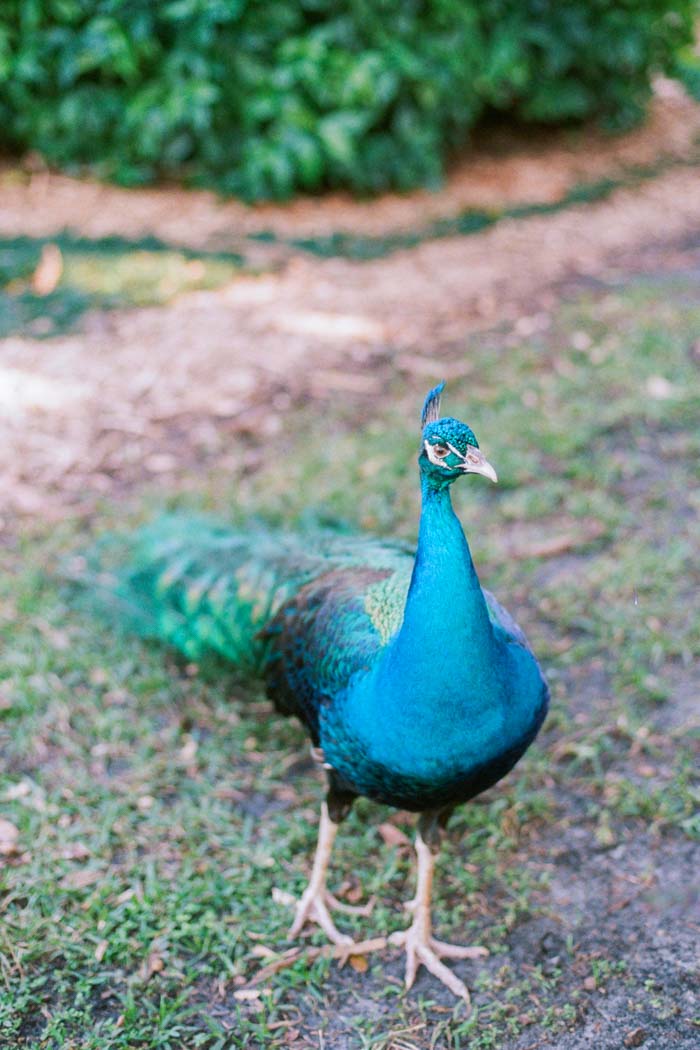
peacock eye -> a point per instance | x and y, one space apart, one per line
440 451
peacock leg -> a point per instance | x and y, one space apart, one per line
313 904
421 947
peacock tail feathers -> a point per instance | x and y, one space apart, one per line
202 587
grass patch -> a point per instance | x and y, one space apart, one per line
102 273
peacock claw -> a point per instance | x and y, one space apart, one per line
423 949
313 907
361 910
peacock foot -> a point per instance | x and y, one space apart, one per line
423 949
313 906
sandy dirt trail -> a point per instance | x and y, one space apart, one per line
119 396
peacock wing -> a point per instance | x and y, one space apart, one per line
332 629
513 635
503 621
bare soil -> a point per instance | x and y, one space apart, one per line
634 905
137 393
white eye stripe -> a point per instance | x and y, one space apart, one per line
456 452
433 457
440 461
471 455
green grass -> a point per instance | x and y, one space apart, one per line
158 805
101 273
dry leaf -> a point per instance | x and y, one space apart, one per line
636 1037
77 851
576 533
78 880
8 837
359 963
153 964
279 896
246 995
349 891
57 639
260 951
48 271
188 750
659 388
160 462
393 836
100 950
645 770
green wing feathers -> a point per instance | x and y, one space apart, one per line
205 588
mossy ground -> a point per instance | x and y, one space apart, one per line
159 804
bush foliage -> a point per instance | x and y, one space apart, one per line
264 99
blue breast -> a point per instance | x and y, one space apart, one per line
421 743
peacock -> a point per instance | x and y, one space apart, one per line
417 688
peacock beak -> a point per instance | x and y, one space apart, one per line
476 463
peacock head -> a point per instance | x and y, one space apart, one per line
450 448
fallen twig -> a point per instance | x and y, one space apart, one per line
341 952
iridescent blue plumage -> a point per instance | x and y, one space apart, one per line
418 689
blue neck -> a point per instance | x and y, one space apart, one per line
445 696
446 629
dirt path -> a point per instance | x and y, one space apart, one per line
140 391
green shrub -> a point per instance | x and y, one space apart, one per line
264 99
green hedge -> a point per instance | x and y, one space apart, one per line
265 99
